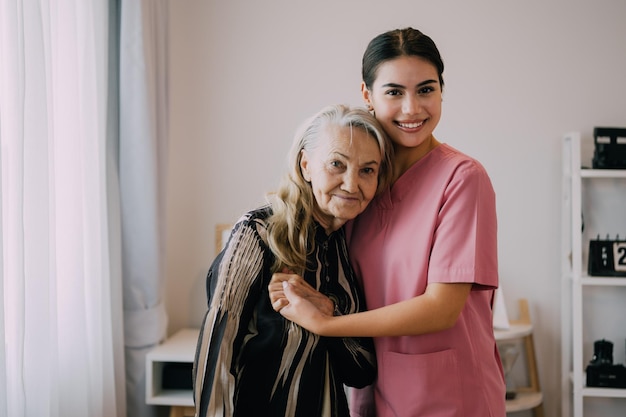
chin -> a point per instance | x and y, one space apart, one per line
349 216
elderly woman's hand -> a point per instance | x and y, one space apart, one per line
300 287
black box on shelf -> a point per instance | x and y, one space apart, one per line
609 148
606 376
607 258
601 371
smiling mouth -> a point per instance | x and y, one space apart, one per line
411 125
347 197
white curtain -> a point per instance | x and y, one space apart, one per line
60 276
142 167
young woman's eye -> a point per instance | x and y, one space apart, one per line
426 90
394 92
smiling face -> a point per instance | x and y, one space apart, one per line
343 172
406 98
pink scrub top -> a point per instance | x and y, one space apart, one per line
436 224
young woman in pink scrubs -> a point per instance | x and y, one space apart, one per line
425 250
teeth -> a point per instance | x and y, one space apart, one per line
411 125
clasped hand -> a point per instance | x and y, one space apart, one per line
298 301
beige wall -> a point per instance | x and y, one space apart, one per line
519 74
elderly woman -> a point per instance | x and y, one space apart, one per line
250 361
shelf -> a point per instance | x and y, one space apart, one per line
603 173
180 348
603 281
172 397
595 392
608 281
524 401
516 331
604 392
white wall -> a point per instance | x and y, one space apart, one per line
518 75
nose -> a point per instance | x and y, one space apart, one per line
410 105
350 181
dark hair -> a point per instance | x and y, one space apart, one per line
396 43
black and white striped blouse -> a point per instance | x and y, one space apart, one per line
250 361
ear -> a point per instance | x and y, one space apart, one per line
304 166
366 96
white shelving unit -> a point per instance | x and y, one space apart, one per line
576 284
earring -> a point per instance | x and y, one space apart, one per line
370 107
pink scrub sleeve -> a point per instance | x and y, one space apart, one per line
464 247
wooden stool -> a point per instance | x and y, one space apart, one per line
528 397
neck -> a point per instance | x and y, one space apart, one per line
328 223
406 157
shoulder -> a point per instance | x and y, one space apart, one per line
448 155
252 225
256 218
459 164
458 173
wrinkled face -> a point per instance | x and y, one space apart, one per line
406 98
343 172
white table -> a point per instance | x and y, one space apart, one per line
179 348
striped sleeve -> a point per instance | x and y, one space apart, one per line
233 277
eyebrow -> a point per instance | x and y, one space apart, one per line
394 85
374 162
370 163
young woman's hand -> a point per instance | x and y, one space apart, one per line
302 310
300 288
